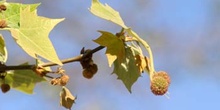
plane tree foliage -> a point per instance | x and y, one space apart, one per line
124 52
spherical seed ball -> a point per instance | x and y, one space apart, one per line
87 74
164 75
159 85
93 68
5 87
64 79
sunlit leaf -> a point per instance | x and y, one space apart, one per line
23 80
3 50
32 36
12 14
115 46
127 70
106 12
66 98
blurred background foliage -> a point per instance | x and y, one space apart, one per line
183 34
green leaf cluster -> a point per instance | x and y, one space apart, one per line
30 31
127 66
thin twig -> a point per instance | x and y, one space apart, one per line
69 60
74 59
47 76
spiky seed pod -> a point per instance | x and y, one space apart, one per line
160 83
5 87
164 75
64 79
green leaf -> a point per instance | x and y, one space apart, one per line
32 36
12 14
66 98
115 46
3 50
23 80
106 12
127 70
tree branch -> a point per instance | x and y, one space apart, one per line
76 58
64 61
69 60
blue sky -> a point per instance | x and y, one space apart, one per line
184 38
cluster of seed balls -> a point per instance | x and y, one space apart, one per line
160 83
89 67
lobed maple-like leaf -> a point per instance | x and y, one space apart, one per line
32 35
127 70
23 80
115 46
106 12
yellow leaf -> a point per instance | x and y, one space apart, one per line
33 35
106 12
66 98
